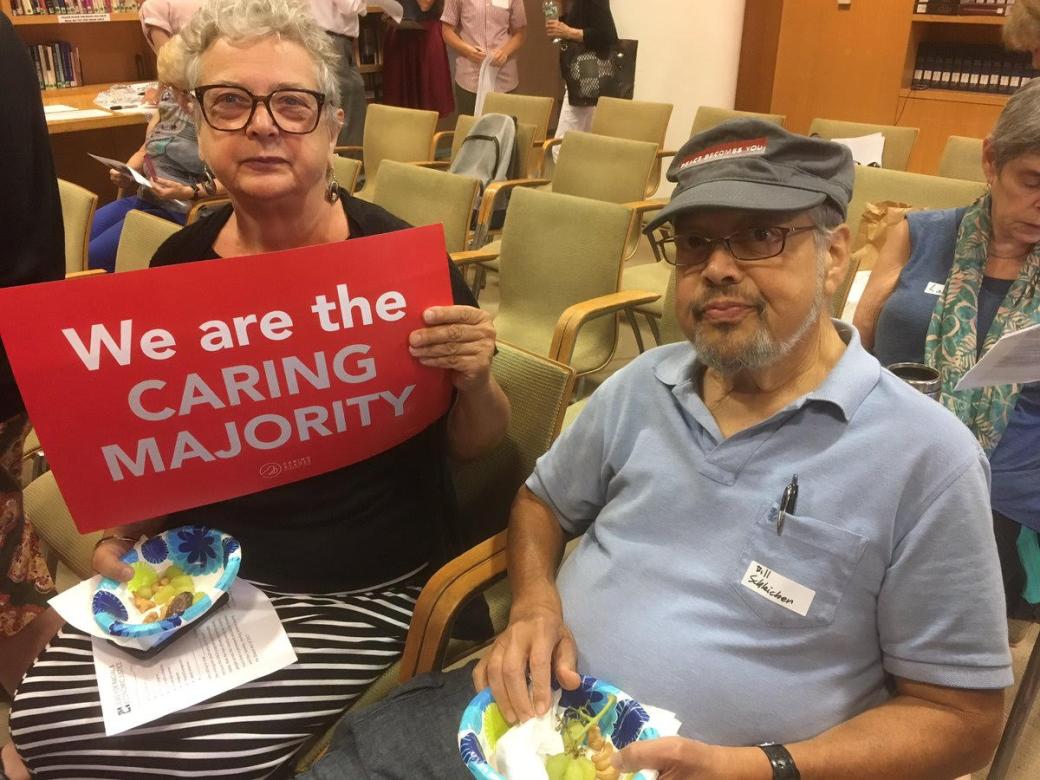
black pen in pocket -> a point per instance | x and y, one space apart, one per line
788 502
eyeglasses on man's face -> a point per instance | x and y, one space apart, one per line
747 245
229 108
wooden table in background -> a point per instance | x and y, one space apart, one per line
117 135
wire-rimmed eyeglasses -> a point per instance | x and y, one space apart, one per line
229 108
747 245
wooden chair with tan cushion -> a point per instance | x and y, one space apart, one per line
708 117
529 109
559 272
142 234
899 141
423 196
962 159
392 133
77 214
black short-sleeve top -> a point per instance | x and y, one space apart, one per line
370 523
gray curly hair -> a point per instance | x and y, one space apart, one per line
237 21
1017 128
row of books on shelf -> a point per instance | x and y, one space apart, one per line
963 7
36 7
57 64
971 68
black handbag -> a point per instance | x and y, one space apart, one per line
591 75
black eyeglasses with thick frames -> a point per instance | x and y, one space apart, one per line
757 243
229 108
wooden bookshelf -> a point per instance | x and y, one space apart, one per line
67 20
110 51
857 64
990 21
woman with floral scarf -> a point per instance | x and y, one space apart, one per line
947 286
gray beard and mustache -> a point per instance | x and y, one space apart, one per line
763 350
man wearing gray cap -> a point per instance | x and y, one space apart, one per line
781 541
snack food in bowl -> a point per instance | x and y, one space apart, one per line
178 576
585 726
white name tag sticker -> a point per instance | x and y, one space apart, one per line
501 3
777 588
934 288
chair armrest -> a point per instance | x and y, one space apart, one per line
342 149
441 599
642 207
441 165
547 146
89 272
472 256
662 153
487 203
443 135
574 317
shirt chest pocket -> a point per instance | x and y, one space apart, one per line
796 579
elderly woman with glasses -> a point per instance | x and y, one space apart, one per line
947 285
343 555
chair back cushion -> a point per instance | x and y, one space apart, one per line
899 141
558 250
874 185
423 196
529 109
709 116
142 234
51 519
346 170
539 390
612 169
77 214
394 133
962 159
636 120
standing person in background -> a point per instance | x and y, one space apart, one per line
1022 29
162 19
341 19
478 30
591 23
415 61
34 251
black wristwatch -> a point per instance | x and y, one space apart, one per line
781 761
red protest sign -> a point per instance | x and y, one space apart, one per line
164 389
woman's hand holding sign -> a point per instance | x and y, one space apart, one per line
461 339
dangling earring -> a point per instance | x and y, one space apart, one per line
210 184
331 186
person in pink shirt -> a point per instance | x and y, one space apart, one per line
478 30
162 19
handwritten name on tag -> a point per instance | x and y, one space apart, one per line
934 288
778 588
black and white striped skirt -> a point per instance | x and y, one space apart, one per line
343 643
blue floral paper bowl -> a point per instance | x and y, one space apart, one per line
482 723
210 557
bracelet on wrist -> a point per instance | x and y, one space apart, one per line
104 539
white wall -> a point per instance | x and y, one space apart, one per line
689 51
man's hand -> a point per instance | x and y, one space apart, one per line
536 640
121 179
498 58
476 54
459 338
677 758
106 560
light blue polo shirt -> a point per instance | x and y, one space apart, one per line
892 537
